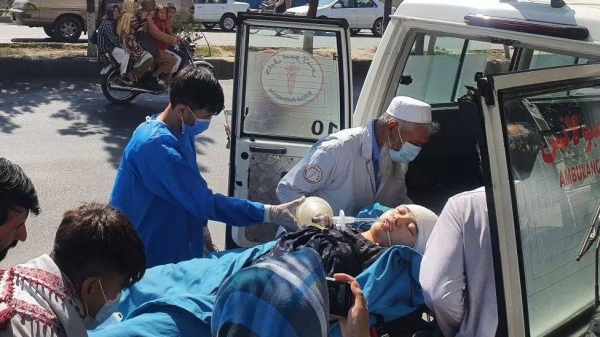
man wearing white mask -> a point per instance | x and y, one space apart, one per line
357 167
97 253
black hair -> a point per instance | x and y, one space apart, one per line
16 190
144 3
110 12
198 88
98 240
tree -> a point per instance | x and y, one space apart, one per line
308 36
92 50
387 11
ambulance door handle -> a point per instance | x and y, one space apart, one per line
256 149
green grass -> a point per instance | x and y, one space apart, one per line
59 50
35 50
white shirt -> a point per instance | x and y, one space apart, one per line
339 169
457 271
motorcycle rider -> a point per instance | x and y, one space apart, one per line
160 20
109 43
164 61
127 27
185 60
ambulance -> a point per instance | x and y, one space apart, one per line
481 65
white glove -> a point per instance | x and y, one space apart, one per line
284 214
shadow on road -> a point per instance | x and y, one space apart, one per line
85 109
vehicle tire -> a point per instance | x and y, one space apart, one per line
49 31
200 63
377 29
227 22
68 29
115 96
209 26
354 31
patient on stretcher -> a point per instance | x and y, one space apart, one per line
349 251
179 299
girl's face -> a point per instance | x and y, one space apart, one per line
162 14
170 14
116 12
136 7
402 225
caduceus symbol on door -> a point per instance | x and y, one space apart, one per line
291 72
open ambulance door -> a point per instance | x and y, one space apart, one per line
543 194
292 86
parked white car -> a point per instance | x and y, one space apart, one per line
222 12
361 14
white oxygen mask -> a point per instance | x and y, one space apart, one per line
312 207
317 212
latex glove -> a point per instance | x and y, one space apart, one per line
357 323
284 214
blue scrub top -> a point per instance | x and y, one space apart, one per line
160 189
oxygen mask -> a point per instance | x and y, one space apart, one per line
311 208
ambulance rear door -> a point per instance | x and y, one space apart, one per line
546 192
292 86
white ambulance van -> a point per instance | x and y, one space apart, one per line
481 65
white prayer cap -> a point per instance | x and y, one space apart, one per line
410 110
426 219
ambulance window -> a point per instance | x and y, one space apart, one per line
292 92
441 66
555 161
542 60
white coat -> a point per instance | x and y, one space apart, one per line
339 169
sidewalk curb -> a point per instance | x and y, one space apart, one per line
87 67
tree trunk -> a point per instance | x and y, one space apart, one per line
387 11
312 8
308 36
92 51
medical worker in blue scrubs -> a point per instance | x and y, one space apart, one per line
159 186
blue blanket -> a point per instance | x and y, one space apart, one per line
179 299
285 296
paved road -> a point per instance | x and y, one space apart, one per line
13 33
69 141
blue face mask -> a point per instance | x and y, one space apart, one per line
200 125
407 153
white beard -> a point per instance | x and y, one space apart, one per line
389 170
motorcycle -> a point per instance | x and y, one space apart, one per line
120 93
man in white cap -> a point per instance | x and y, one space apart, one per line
357 167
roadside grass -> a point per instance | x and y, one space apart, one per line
62 50
42 50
